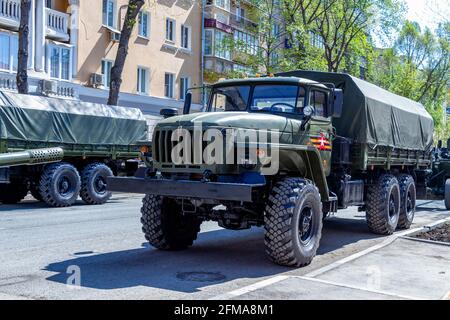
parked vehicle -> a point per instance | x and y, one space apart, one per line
439 181
342 142
61 149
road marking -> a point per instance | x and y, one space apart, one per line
250 288
446 297
386 293
315 273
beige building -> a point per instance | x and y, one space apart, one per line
73 44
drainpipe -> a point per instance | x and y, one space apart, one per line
202 58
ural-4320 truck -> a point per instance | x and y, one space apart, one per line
59 149
341 142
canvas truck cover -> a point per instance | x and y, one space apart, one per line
375 116
41 119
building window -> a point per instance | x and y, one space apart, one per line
170 30
316 40
186 37
240 14
59 62
184 86
168 85
142 81
109 10
144 24
246 42
222 49
9 47
224 4
106 72
209 42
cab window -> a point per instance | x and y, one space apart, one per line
278 98
318 99
230 98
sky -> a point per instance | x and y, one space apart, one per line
428 13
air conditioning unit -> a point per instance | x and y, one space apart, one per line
96 80
49 87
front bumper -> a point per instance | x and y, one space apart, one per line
185 188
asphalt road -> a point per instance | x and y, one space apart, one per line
102 249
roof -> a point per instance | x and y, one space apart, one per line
289 80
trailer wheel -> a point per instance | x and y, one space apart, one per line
60 185
447 194
164 225
13 193
293 222
383 205
93 183
407 202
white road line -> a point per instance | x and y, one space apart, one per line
315 273
446 297
250 288
336 284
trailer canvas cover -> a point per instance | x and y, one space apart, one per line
41 119
375 116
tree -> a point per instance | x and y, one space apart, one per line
22 66
134 7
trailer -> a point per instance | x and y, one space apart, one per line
60 149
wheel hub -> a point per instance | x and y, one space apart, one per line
305 225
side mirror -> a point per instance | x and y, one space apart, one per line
168 112
187 103
336 104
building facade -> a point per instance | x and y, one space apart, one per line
73 45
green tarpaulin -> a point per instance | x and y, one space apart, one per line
41 119
375 116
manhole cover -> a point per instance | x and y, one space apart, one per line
201 276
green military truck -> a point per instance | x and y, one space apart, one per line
60 149
341 142
439 181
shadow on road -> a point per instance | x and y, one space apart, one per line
217 257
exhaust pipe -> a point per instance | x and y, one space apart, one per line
31 157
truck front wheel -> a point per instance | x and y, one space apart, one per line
408 201
447 194
293 222
164 225
93 183
383 205
60 185
13 193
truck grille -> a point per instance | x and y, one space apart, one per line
163 146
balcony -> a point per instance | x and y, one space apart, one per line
57 25
242 22
213 23
10 13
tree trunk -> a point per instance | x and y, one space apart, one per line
134 6
22 74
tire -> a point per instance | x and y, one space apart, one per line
93 184
13 193
293 201
408 201
447 194
383 205
60 185
164 225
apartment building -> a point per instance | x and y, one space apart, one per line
225 22
73 45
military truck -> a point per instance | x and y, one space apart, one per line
60 149
341 141
439 180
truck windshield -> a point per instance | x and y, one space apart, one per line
265 98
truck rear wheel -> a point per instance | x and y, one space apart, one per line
447 194
93 183
13 193
383 205
407 202
164 225
293 222
60 185
34 190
